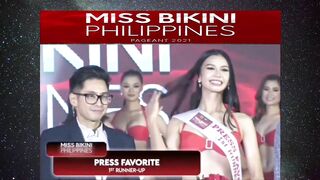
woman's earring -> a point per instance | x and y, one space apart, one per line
199 84
121 94
228 87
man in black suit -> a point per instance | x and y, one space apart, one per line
89 99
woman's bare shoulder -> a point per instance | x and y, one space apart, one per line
243 118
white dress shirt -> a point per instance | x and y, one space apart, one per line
99 135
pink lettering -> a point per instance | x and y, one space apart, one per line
209 144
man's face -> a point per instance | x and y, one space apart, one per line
85 111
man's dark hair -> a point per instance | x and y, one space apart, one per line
79 77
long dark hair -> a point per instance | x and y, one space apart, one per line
260 105
79 77
183 84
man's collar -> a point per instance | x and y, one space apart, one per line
88 132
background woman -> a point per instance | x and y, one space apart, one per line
131 117
216 95
266 121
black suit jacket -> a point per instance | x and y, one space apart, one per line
71 132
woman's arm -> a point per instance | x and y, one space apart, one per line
156 139
162 126
173 134
152 112
250 146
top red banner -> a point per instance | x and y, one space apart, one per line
126 27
